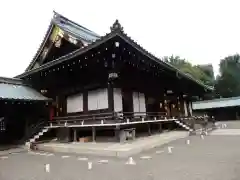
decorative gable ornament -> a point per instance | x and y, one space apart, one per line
44 53
112 75
58 41
116 26
72 39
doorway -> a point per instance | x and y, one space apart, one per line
127 103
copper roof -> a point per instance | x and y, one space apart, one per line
15 89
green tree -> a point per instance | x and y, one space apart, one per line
228 81
199 72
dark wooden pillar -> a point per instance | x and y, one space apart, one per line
63 134
93 134
149 129
75 134
26 128
160 127
85 101
110 96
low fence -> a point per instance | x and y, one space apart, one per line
122 118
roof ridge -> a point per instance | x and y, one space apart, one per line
14 81
58 14
117 29
218 99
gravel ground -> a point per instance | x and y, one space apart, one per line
211 158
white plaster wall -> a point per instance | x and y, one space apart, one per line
142 102
135 102
139 102
117 97
98 99
75 103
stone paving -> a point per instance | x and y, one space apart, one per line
211 158
115 149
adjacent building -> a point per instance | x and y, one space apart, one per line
221 109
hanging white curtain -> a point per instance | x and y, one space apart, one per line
117 95
135 102
97 99
139 103
142 103
102 97
92 100
75 103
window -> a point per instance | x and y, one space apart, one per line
75 103
98 99
2 124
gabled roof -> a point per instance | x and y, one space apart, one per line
68 26
75 29
216 103
116 30
15 89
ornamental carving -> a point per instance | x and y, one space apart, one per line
112 75
116 26
58 41
44 53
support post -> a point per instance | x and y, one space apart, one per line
93 134
26 128
75 135
149 129
117 133
110 96
160 127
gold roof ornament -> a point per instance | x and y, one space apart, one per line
58 42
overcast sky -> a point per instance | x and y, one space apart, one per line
201 31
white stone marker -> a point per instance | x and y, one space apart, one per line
170 149
146 157
49 154
82 159
47 168
224 125
103 161
188 142
159 152
4 157
65 157
89 165
202 137
131 161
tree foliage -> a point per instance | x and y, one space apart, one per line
199 72
228 81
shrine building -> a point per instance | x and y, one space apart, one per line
90 85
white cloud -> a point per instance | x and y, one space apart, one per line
201 31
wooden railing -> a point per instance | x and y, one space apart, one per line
120 118
107 118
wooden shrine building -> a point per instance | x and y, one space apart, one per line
20 107
106 81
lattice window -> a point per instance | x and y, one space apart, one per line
2 124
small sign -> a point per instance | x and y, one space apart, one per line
112 75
